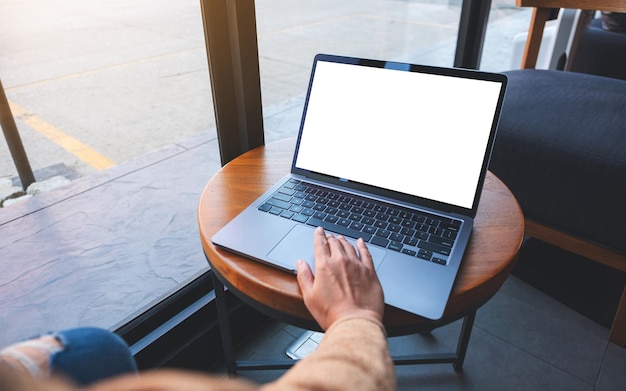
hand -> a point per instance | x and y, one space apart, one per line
345 282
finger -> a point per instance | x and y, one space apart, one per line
304 276
336 246
321 248
364 252
348 249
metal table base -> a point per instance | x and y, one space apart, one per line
232 365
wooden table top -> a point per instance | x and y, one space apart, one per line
496 238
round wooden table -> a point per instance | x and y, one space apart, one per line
496 238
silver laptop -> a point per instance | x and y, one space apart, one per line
390 152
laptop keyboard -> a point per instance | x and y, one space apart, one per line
419 234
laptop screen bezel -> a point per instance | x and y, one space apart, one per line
392 195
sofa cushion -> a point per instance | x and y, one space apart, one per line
561 149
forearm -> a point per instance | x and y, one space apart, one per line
352 355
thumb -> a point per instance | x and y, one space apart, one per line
305 276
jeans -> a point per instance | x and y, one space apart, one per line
90 354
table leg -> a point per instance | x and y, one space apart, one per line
224 324
231 364
456 359
461 348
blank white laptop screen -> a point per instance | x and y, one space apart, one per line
420 134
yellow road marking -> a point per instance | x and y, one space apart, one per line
85 153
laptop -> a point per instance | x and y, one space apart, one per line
390 152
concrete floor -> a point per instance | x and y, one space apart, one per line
94 84
129 80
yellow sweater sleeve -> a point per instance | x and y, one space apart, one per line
353 355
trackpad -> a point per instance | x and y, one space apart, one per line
298 244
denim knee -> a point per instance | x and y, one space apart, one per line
90 354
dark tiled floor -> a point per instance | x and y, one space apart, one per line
522 340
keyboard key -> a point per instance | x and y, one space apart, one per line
419 219
407 231
406 214
368 221
380 224
369 230
424 254
394 228
368 205
435 231
383 233
408 223
396 237
287 214
356 202
300 218
395 220
343 222
396 246
278 203
331 211
382 217
433 222
439 261
296 209
449 234
339 230
291 183
377 240
356 226
320 215
450 227
275 211
441 241
333 196
410 241
355 217
421 235
369 213
379 208
433 247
